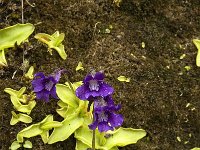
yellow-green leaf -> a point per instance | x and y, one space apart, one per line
27 144
14 119
34 130
182 56
28 132
197 44
24 118
143 45
53 41
84 134
50 125
45 136
80 66
15 145
19 117
29 74
195 148
3 61
187 68
62 104
15 101
15 34
27 108
75 85
120 137
62 111
125 136
81 146
66 95
15 92
123 79
70 125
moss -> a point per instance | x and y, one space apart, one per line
157 95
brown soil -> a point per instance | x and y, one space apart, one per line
160 87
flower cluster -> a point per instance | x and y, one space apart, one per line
94 89
45 86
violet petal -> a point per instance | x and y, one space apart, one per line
58 75
38 84
115 119
43 95
53 93
88 78
103 127
49 83
80 92
105 90
99 76
89 93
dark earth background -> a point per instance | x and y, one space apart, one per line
160 88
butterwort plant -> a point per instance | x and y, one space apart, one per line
88 111
102 132
94 89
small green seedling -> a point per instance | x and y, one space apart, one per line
53 41
187 68
117 2
16 145
123 79
182 56
29 74
13 35
197 44
80 66
143 45
178 138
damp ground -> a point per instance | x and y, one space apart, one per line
162 96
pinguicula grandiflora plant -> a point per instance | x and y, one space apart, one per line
11 36
19 33
53 41
22 105
96 91
88 110
101 133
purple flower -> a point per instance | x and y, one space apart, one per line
93 86
44 86
105 117
94 89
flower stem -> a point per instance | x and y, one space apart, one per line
93 140
93 133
